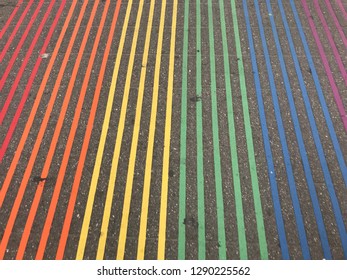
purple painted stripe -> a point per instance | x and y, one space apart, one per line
337 23
327 68
331 42
343 10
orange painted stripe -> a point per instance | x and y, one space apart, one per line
34 109
57 131
27 173
67 152
75 187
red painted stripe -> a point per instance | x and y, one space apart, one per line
73 196
29 84
14 32
25 61
8 22
328 71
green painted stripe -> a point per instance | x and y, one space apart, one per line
183 148
249 140
199 136
232 136
215 132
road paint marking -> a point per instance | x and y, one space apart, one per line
132 158
265 132
199 140
10 19
321 97
249 141
167 137
102 141
336 22
118 143
215 140
34 109
183 140
53 145
15 30
232 137
86 141
30 165
72 133
15 54
342 9
28 86
152 126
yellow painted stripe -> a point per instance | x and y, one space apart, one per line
137 123
149 155
105 126
119 137
166 155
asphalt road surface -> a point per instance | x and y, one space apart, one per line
205 129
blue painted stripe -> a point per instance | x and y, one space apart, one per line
311 119
312 190
267 147
329 183
307 169
285 150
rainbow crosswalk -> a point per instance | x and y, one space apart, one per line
205 129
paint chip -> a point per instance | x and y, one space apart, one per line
44 55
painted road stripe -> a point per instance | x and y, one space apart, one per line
321 97
34 109
50 155
302 149
10 19
290 176
25 61
342 9
199 139
151 135
327 176
307 106
336 22
102 141
71 137
27 173
16 52
249 140
29 84
132 158
241 231
79 170
267 146
118 144
331 42
215 139
181 254
15 30
54 141
332 132
167 137
334 88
